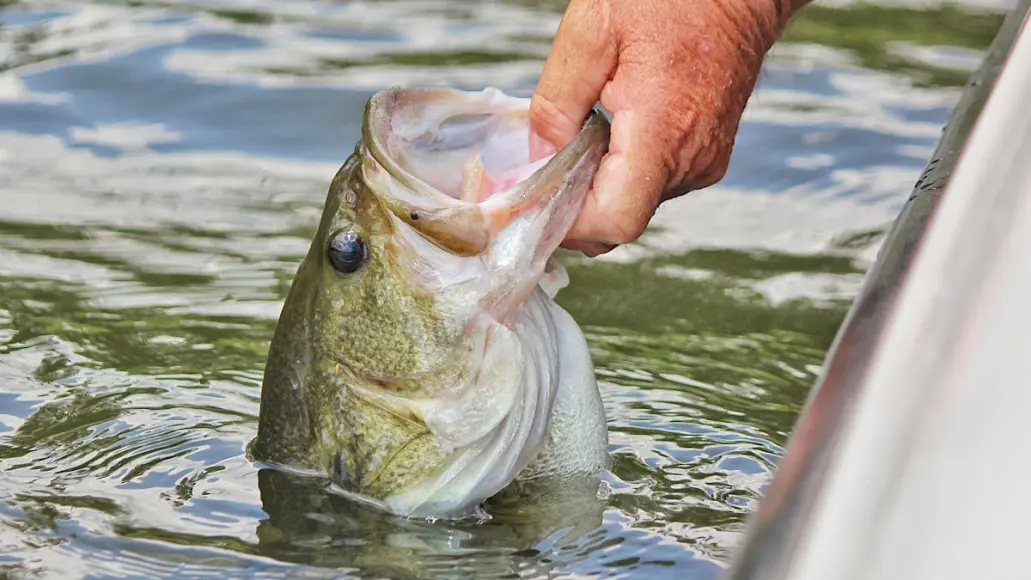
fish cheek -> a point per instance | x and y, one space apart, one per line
374 325
339 304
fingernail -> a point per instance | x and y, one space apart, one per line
539 147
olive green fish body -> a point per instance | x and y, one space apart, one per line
419 358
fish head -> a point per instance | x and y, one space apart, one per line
394 360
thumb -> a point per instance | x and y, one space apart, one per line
581 61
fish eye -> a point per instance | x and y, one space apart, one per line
347 252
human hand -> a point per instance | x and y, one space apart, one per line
676 75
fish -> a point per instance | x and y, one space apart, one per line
420 361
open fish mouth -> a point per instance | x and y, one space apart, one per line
455 165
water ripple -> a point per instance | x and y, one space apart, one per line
163 166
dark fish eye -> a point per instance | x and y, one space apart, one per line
347 252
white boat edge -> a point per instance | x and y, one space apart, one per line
912 457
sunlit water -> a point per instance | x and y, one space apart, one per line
162 166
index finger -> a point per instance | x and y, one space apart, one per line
581 61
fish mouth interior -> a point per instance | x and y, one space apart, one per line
465 145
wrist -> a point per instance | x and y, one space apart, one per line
733 39
760 22
744 32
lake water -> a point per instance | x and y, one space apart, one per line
162 168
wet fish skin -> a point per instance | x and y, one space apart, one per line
380 325
374 375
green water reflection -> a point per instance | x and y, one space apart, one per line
159 187
871 31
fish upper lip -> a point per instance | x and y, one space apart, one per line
372 144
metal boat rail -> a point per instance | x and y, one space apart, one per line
912 457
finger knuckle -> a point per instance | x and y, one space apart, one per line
549 116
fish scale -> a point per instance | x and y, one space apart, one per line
426 367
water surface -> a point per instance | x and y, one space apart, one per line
162 168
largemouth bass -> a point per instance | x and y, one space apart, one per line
419 358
